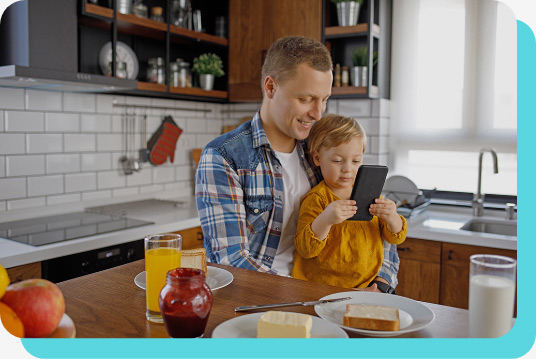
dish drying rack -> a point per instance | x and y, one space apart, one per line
405 208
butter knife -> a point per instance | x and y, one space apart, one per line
279 305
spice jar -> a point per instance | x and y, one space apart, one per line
156 14
345 75
185 79
139 9
120 69
337 76
156 71
185 303
174 75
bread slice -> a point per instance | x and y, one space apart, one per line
194 258
372 317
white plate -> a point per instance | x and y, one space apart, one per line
245 326
399 188
216 278
123 53
413 315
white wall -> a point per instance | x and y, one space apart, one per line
60 148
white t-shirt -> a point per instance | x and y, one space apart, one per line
295 186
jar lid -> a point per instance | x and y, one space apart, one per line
174 66
157 10
160 61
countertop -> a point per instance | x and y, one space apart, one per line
437 223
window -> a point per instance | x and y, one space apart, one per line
453 92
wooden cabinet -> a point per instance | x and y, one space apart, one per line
99 25
455 271
191 238
372 31
420 267
25 271
253 26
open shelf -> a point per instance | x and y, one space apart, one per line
96 10
349 31
198 36
148 86
195 91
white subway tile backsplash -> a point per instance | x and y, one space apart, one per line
79 142
45 185
96 161
144 177
110 142
184 173
3 206
44 143
96 195
80 182
2 166
117 123
124 192
66 198
11 143
370 125
151 188
96 123
11 98
111 179
78 102
203 140
26 203
196 125
105 103
43 100
24 121
62 122
12 188
355 108
25 165
163 174
1 121
65 163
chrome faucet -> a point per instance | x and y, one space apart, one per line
478 199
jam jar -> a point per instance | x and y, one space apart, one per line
185 303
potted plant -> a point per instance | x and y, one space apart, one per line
208 66
359 73
347 11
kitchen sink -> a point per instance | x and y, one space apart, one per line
507 228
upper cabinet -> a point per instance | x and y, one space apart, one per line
158 50
253 26
368 42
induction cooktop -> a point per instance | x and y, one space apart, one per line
64 227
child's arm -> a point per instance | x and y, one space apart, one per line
335 213
307 241
393 226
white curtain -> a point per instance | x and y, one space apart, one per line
453 91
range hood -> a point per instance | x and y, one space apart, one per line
39 49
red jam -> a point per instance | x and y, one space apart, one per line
185 303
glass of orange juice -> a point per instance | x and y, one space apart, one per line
162 254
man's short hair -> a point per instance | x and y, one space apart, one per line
286 53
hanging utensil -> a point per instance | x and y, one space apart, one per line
124 160
133 161
144 152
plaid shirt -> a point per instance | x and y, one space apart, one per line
239 192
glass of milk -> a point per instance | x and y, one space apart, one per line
492 283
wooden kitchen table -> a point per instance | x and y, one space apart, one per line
108 304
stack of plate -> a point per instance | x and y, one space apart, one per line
408 198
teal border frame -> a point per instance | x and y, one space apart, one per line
514 344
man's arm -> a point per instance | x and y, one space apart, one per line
220 203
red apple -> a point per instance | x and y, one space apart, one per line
39 303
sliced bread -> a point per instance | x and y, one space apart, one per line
194 258
371 317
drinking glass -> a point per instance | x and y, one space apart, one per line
162 254
492 286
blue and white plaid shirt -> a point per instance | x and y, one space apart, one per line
239 192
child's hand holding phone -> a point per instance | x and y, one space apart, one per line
385 209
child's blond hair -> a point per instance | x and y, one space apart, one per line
334 130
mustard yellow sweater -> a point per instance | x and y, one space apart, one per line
352 253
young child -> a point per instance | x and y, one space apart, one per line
330 249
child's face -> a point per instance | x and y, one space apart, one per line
339 164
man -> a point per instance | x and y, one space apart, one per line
249 181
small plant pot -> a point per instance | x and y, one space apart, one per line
206 81
348 13
359 76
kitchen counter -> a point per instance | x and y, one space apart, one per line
437 223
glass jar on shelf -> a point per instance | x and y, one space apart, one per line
120 69
156 14
156 72
139 9
185 77
174 74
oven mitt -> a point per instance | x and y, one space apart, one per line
162 143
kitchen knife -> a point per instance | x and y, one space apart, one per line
278 305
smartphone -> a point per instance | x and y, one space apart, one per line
368 186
